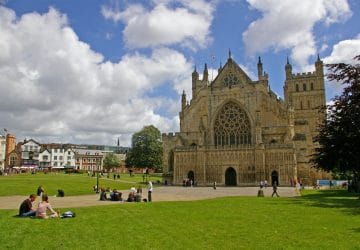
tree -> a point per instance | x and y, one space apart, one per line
339 134
146 149
111 161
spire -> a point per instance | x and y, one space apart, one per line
206 74
287 60
318 57
229 53
260 68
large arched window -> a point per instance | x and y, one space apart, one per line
232 126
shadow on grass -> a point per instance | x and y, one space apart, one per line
340 199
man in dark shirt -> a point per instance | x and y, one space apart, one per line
26 207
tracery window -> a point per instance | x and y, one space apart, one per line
232 126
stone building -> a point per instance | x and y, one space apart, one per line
236 132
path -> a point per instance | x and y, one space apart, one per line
168 193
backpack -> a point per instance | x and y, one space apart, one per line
68 214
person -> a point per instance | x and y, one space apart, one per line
44 205
61 193
103 194
150 189
214 186
26 209
275 189
40 191
265 183
261 184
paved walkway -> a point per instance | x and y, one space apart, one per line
169 193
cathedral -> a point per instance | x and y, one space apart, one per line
236 131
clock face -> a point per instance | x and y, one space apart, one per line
230 80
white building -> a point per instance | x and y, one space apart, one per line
44 158
2 151
62 157
30 150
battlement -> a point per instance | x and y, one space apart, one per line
304 75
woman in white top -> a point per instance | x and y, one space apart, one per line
44 205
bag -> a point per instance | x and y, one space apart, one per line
68 214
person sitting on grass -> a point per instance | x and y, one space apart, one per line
26 209
103 194
44 205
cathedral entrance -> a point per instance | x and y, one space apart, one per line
274 177
191 176
230 177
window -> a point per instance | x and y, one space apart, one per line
297 88
301 105
55 150
45 157
304 86
312 86
69 158
55 158
60 158
232 126
55 164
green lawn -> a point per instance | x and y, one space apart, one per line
317 220
72 184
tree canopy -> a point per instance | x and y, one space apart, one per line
339 134
146 149
111 161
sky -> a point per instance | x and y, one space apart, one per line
90 71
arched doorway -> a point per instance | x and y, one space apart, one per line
230 177
274 177
191 176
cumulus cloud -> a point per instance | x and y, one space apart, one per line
289 25
175 22
54 87
342 52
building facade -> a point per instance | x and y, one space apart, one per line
89 159
2 151
236 132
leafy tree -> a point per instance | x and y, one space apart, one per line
111 161
339 135
146 149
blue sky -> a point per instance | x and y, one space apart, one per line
90 71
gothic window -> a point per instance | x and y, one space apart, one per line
304 87
230 80
232 126
297 88
312 86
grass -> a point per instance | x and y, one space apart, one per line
72 184
317 220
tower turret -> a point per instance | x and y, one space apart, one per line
319 67
260 68
183 100
288 69
195 78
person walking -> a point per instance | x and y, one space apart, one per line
275 189
150 189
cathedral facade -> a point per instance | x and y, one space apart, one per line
236 132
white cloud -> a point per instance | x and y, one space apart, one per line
53 87
187 23
289 25
342 52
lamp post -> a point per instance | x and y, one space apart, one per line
97 182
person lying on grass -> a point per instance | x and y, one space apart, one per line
44 205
